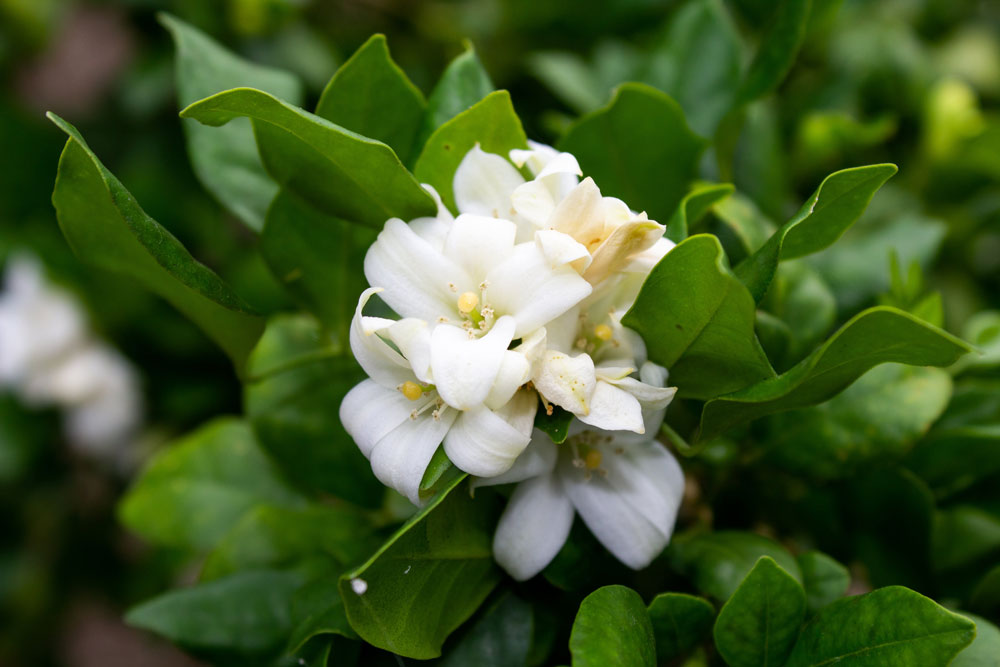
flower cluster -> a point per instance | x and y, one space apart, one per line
50 358
513 306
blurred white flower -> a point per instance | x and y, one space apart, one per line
49 358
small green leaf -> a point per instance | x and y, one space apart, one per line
758 626
824 579
428 578
337 171
837 203
499 638
463 83
697 319
193 492
890 626
372 96
105 226
778 46
984 649
875 336
226 159
620 146
718 561
246 614
299 376
492 123
556 425
680 622
695 204
612 628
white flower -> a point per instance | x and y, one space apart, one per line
626 488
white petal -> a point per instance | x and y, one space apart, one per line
400 458
563 163
370 411
631 509
614 409
567 381
534 202
515 370
485 443
484 183
649 397
477 243
560 249
624 242
654 374
533 528
533 345
378 359
413 338
581 214
442 211
415 276
538 458
525 286
464 368
644 261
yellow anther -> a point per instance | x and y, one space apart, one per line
593 459
411 390
603 331
467 302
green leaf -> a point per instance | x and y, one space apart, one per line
837 203
193 492
428 578
372 96
299 376
697 319
556 425
337 171
463 83
759 624
316 609
226 159
695 204
718 561
890 626
570 78
492 123
984 649
105 226
277 537
612 628
778 46
824 579
875 420
247 613
318 258
875 336
804 302
680 622
621 147
499 638
963 535
953 459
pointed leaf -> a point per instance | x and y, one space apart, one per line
824 579
778 47
612 628
695 204
463 83
680 622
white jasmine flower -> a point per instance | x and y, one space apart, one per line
626 488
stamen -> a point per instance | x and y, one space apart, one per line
411 390
603 332
467 302
593 459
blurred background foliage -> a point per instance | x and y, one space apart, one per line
914 82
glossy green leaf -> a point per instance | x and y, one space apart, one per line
697 319
953 459
778 47
193 492
316 609
984 649
299 375
890 626
758 626
246 614
492 123
499 638
875 420
556 425
612 627
428 578
824 579
337 171
718 561
105 226
680 622
277 537
875 336
620 146
226 159
695 204
837 203
372 96
462 84
318 258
